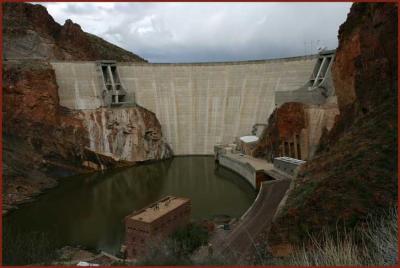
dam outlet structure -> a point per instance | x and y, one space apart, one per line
197 104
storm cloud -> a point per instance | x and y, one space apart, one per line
198 32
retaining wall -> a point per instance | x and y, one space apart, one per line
244 169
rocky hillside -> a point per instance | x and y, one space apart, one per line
355 169
30 32
35 131
42 140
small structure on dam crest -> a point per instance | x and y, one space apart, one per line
154 223
287 164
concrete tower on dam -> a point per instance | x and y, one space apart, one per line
197 104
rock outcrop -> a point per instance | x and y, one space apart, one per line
286 121
30 32
42 140
128 134
354 171
295 129
38 137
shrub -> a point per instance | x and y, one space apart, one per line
176 249
164 253
188 239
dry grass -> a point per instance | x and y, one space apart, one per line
382 235
374 244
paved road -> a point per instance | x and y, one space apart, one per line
258 219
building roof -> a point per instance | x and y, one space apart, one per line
248 139
158 209
290 160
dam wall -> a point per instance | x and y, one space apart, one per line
198 105
79 83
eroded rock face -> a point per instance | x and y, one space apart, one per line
129 134
39 139
297 123
286 121
354 170
366 64
30 32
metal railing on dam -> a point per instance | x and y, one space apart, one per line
198 105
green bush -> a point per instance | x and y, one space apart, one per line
176 249
188 239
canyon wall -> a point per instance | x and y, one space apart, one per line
354 171
198 105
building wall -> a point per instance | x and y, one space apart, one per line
141 236
198 105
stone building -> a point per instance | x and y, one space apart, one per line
153 223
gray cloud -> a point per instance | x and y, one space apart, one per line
193 32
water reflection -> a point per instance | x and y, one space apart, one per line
88 210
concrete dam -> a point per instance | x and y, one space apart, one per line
199 104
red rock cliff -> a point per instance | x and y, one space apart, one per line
286 121
295 129
354 171
38 137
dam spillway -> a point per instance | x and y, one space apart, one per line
198 105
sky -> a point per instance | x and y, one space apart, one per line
199 32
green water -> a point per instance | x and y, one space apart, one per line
89 210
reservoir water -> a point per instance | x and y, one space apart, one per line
88 210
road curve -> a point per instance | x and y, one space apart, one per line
256 220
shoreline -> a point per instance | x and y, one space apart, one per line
34 189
